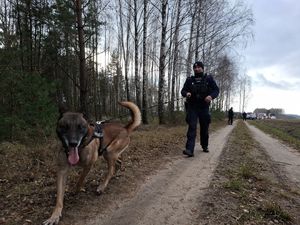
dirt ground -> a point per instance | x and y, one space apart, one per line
249 186
28 177
158 184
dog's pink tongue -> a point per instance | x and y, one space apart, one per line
73 157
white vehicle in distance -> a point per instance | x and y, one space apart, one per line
251 116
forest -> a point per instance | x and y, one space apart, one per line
91 54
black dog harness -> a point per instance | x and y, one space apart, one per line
98 133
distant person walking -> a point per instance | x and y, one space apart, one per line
230 116
244 116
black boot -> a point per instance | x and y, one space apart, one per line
205 149
188 153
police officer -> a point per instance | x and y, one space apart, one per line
244 116
199 91
230 116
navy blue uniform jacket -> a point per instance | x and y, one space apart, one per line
200 104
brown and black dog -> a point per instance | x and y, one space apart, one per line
80 148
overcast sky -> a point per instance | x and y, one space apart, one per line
272 59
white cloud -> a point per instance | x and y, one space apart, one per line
272 81
272 59
266 97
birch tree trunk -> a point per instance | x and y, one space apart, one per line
145 65
190 48
162 59
127 53
175 60
125 46
136 57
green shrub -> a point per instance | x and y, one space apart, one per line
28 110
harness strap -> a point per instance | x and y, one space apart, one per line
98 133
102 150
88 138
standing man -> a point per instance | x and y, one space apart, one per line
230 116
199 91
244 116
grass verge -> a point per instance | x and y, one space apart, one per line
287 131
28 175
246 188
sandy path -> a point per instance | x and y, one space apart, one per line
287 158
172 195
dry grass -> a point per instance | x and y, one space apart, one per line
245 189
28 174
285 130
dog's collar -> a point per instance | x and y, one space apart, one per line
88 137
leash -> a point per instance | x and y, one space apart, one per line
150 107
98 131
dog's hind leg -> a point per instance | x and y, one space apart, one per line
112 154
83 175
119 164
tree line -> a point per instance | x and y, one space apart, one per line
90 54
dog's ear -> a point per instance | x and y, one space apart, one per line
84 113
87 118
62 108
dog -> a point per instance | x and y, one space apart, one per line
80 147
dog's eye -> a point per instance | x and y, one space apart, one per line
64 127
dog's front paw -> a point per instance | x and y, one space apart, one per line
51 221
80 189
54 219
100 190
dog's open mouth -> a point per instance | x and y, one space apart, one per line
73 156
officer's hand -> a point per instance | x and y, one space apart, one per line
208 99
188 94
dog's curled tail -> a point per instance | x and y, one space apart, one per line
135 114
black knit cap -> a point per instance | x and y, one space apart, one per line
198 63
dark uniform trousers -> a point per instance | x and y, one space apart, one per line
193 115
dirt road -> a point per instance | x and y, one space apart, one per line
287 158
170 197
199 190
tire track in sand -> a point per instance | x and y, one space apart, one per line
286 157
172 195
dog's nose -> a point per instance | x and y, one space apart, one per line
73 144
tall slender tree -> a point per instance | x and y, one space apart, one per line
162 62
82 61
136 54
145 66
176 55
